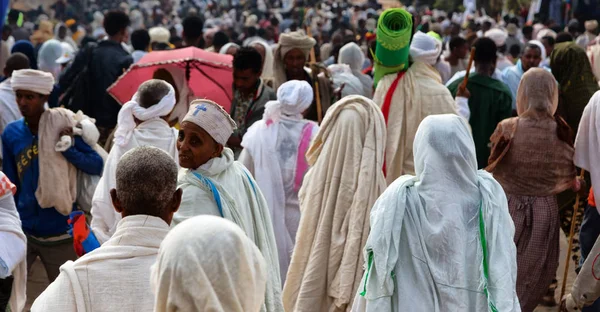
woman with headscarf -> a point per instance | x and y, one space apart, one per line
229 48
209 264
25 47
266 52
274 152
353 56
441 240
50 51
290 56
532 158
337 194
214 184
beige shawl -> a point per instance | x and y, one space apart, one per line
336 197
419 93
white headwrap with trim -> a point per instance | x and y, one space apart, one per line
293 98
211 117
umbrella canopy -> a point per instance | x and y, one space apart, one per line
208 75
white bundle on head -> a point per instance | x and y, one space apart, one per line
497 35
293 98
211 117
32 80
131 109
159 35
425 48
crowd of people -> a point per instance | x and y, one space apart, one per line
369 160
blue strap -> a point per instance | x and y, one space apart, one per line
251 183
213 189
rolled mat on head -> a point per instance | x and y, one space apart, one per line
394 30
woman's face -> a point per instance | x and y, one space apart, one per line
196 147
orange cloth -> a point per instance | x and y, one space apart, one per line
591 199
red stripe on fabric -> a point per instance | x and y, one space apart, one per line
385 109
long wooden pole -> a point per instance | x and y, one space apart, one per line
313 60
571 233
463 85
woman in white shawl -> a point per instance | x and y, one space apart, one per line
353 56
266 52
443 240
214 184
12 248
274 152
344 180
208 264
50 51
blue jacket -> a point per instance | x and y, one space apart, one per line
21 166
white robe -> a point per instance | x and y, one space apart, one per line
114 277
242 203
9 110
156 133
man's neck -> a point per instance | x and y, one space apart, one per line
250 92
116 39
485 70
33 123
296 76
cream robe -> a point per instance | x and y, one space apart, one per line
335 200
156 133
242 203
114 277
419 93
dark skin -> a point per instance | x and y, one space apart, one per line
294 62
245 81
485 68
196 147
531 58
31 106
457 54
167 215
121 36
62 32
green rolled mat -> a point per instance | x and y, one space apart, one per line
394 30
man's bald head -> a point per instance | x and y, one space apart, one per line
16 61
152 91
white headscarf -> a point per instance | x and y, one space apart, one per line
208 263
293 98
444 208
425 48
342 75
211 117
131 109
226 47
498 35
353 56
540 45
50 51
267 70
587 143
32 80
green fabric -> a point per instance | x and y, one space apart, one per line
577 83
486 270
394 30
434 35
490 103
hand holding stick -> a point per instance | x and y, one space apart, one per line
463 85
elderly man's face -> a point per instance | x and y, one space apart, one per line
294 62
196 147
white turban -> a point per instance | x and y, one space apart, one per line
208 263
591 25
211 117
425 48
288 42
159 35
497 35
32 80
131 109
293 98
545 33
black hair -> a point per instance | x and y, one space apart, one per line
192 27
457 42
485 51
550 40
247 58
527 30
533 46
563 37
6 29
220 39
13 15
115 21
140 39
515 50
251 31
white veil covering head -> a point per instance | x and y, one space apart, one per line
537 93
425 48
587 143
126 122
13 246
208 263
227 46
352 55
540 45
341 74
50 51
293 98
448 208
267 69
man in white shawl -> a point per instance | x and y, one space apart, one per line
443 240
274 152
214 184
344 181
418 93
208 263
141 122
353 56
13 267
116 276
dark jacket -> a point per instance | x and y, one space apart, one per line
255 111
108 62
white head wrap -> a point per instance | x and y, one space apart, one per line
215 256
131 109
50 51
32 80
546 32
497 35
211 117
293 98
425 48
267 70
228 45
159 35
341 74
351 55
540 45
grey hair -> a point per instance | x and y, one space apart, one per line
152 91
146 181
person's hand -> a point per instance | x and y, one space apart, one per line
68 131
463 92
563 305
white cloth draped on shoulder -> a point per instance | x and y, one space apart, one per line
241 202
587 143
426 248
114 277
345 179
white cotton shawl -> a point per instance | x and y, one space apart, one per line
14 244
424 252
352 55
154 132
587 143
242 203
419 93
208 264
267 70
335 199
114 277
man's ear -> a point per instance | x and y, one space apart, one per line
176 201
115 201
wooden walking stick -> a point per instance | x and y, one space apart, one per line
572 232
463 85
315 74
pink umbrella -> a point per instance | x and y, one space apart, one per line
209 75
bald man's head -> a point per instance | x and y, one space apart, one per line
16 61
